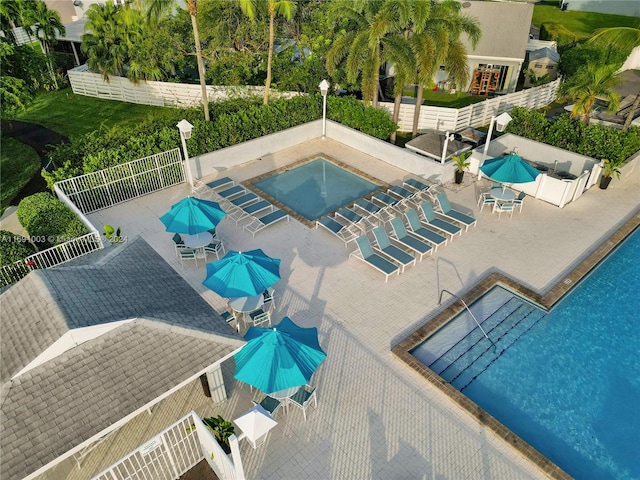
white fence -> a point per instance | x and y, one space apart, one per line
59 254
476 115
121 183
163 94
21 36
172 453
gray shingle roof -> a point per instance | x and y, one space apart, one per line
544 53
504 25
55 406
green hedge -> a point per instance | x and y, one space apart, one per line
48 220
233 121
14 248
596 141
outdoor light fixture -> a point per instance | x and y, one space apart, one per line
500 122
185 133
324 89
447 138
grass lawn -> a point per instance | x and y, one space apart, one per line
18 163
70 114
582 24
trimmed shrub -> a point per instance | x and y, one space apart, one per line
48 220
14 248
596 141
233 121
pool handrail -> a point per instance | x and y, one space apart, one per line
470 313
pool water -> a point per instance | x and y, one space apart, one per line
316 188
568 382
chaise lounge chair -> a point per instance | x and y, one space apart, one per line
400 192
438 223
221 183
420 188
384 200
367 254
355 219
370 208
338 229
245 199
232 192
409 241
390 250
259 223
424 233
455 215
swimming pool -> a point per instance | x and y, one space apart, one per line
315 188
567 382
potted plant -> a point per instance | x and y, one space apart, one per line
460 162
609 168
112 234
221 429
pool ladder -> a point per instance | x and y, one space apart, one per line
470 313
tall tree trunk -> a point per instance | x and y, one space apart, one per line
634 108
196 36
416 111
52 73
396 114
272 35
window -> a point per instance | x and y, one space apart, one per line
550 67
537 65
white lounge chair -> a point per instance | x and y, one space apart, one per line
390 250
438 223
409 241
455 215
341 231
416 226
367 254
260 223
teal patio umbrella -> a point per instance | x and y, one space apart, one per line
279 358
242 274
509 168
192 215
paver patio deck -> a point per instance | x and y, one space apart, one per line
376 418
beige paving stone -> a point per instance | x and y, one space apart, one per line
376 418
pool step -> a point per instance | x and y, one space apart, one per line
466 360
475 335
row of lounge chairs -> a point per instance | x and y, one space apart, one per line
241 204
427 226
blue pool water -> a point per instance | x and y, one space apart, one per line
568 382
301 188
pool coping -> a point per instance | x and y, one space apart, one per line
383 186
403 349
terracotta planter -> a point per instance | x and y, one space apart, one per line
604 182
459 176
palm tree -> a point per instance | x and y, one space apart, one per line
437 42
588 84
286 8
156 8
105 44
46 24
625 39
362 42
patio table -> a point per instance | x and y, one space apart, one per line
506 195
245 305
198 241
284 395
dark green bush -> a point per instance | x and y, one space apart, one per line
48 220
596 141
14 248
233 121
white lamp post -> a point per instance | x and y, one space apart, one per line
500 123
185 133
447 138
324 89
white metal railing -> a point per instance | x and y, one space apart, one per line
56 255
475 115
171 453
120 183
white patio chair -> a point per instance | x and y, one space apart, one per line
215 247
486 199
504 207
302 398
186 253
520 200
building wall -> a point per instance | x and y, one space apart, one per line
541 67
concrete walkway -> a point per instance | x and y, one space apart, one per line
377 419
